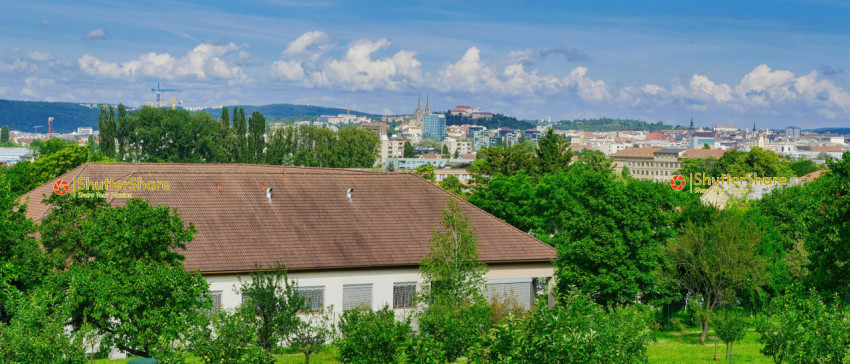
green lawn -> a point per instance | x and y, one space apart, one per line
684 347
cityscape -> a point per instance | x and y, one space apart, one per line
287 182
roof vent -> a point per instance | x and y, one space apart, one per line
269 194
218 185
348 194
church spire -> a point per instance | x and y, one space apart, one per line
427 107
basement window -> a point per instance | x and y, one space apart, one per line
403 293
356 295
314 298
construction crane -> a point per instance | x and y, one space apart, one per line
158 91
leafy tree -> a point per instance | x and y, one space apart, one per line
391 166
225 118
356 148
4 134
827 222
368 336
106 125
455 310
452 184
409 152
309 336
576 330
445 152
120 132
762 162
426 172
626 173
609 234
127 279
241 126
802 328
730 325
272 300
803 167
717 260
492 161
705 146
256 139
430 143
457 153
229 337
595 161
553 153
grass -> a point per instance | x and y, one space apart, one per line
684 347
326 356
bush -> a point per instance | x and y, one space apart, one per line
368 336
504 307
577 330
230 337
800 327
456 328
730 325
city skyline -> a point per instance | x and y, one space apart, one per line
772 63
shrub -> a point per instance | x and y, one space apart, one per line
730 326
230 337
368 336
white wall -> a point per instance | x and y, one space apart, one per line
381 279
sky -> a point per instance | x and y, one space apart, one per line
770 63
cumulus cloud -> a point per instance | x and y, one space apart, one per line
309 46
95 34
570 54
203 62
469 74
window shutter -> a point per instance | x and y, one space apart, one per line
356 295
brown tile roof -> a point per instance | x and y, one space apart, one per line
636 152
703 153
812 176
826 148
309 224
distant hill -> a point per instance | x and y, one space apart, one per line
24 115
607 124
844 131
284 110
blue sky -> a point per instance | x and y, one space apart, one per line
775 63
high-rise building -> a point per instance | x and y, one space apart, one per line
434 126
793 132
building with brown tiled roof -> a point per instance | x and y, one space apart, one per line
347 237
658 164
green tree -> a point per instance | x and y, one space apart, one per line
430 143
492 161
576 330
455 310
241 126
4 134
800 327
426 172
272 299
445 152
229 337
355 148
762 162
553 153
452 184
256 139
121 131
127 279
368 336
409 152
106 125
717 260
225 118
457 153
595 161
705 146
730 325
803 167
310 335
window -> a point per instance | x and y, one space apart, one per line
216 300
521 289
356 295
314 297
403 293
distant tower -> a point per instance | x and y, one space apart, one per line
427 107
417 115
691 130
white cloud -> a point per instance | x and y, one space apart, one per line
705 90
289 70
588 89
653 89
309 46
35 83
203 62
469 74
95 34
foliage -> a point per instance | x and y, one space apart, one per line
24 115
609 233
595 161
430 143
229 337
426 172
106 125
312 146
409 152
717 260
800 327
128 282
37 333
576 330
495 122
26 176
553 153
761 162
730 325
273 302
455 311
368 336
452 184
310 335
4 134
803 167
445 152
608 124
492 161
256 138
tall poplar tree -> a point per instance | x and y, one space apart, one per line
106 125
256 140
241 126
4 134
225 118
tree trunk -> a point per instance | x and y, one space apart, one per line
730 351
306 358
704 325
